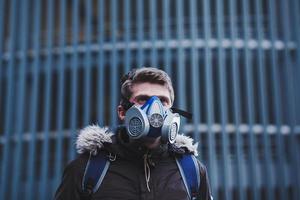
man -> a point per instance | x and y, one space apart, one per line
143 154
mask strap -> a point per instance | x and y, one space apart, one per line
126 103
182 113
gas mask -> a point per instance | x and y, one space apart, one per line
152 120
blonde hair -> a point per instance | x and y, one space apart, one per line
142 75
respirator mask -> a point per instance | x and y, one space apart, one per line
152 120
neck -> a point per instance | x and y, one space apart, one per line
153 144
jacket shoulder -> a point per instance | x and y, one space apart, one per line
70 186
185 145
92 138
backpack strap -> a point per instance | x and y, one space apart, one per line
94 173
190 173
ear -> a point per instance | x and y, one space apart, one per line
121 112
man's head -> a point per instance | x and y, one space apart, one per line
140 84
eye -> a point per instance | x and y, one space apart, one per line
142 100
164 101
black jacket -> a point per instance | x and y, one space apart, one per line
126 177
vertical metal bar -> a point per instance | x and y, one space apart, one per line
296 12
140 32
2 17
181 91
236 94
296 16
87 63
209 98
34 108
114 65
166 33
127 35
9 100
196 100
153 31
74 77
281 179
44 189
101 82
61 94
223 99
127 19
294 171
250 101
20 101
263 107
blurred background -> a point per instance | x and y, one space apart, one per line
235 64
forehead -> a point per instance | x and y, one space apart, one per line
149 89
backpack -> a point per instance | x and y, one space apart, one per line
98 165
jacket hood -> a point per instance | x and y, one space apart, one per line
92 139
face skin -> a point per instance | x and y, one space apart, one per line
141 92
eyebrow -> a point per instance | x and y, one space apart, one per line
143 96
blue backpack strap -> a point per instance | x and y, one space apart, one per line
190 173
94 173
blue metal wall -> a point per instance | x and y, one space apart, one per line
234 64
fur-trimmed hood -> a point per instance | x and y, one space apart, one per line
92 138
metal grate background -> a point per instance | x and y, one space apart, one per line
234 64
